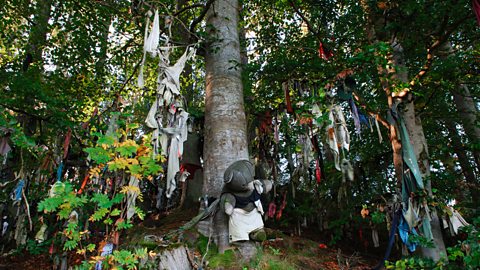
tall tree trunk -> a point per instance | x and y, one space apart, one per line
38 34
225 122
460 151
467 111
412 121
468 114
100 66
34 50
414 127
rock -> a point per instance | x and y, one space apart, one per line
175 259
247 250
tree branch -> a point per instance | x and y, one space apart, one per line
439 42
307 22
201 16
187 8
377 115
25 112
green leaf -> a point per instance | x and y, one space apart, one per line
98 154
108 221
140 213
91 247
99 214
127 150
50 204
115 212
102 200
108 140
70 245
124 224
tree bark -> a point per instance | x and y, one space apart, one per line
460 151
225 122
414 127
468 114
467 111
38 34
413 123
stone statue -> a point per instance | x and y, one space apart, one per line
241 202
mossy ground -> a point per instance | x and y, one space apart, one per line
278 252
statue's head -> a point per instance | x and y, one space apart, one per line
238 177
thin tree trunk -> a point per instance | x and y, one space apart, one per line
225 122
38 34
34 50
467 111
467 169
100 66
468 114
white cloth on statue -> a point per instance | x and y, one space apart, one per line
241 223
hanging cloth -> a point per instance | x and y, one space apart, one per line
131 197
66 143
409 155
18 190
391 239
172 73
40 236
179 136
363 119
84 183
427 228
272 208
376 242
4 149
404 232
4 146
324 52
154 38
476 9
411 214
380 138
59 172
347 171
4 226
356 118
288 102
107 249
341 131
318 171
332 140
456 220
